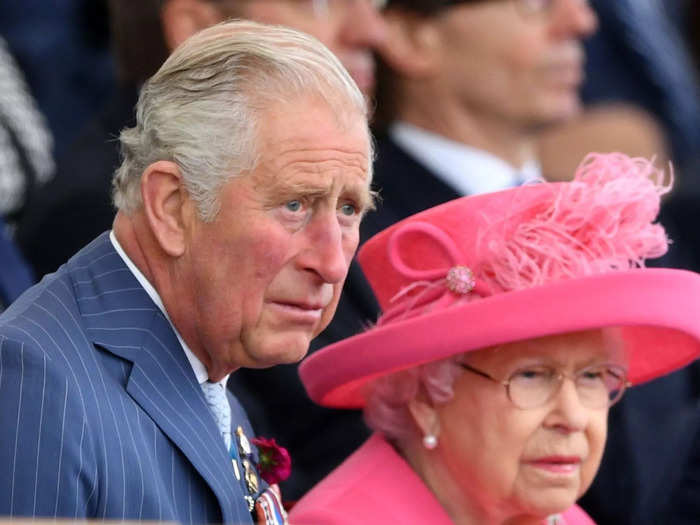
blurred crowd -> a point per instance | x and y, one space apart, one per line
465 102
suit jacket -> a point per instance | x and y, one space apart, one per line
269 396
100 412
377 486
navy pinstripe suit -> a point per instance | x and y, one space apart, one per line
100 412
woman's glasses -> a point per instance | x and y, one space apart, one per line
598 386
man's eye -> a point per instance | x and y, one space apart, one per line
348 209
294 205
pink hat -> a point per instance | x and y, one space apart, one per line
523 263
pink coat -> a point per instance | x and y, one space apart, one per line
376 486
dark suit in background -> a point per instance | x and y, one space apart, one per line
101 414
15 276
76 206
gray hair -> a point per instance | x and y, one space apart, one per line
388 397
201 109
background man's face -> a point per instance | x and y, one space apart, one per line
503 63
266 274
351 29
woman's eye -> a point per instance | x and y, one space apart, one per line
532 374
592 376
294 205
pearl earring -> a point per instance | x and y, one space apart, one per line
430 441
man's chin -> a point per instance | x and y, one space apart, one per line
280 354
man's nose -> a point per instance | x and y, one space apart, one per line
324 252
573 18
363 25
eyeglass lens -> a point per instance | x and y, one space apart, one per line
597 386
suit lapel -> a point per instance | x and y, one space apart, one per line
121 318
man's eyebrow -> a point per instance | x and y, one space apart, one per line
365 198
279 187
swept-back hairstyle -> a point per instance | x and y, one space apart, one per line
201 109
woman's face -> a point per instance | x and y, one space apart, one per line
537 461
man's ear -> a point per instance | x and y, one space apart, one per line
166 206
411 43
183 18
424 415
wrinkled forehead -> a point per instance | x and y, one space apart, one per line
311 118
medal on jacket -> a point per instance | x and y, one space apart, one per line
269 509
249 475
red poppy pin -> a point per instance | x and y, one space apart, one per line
274 464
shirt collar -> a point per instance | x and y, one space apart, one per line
467 170
200 371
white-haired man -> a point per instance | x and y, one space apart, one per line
240 196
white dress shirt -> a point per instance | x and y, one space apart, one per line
200 371
469 171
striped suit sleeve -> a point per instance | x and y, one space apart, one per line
46 463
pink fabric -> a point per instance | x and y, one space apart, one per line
656 308
375 486
577 516
544 259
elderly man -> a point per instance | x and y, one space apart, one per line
239 202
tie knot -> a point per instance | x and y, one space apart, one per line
215 396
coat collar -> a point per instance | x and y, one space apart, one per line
121 318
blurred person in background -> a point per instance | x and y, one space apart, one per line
26 163
63 49
642 96
26 144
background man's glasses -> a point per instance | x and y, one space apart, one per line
526 7
326 8
321 9
598 386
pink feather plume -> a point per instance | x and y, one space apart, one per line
602 221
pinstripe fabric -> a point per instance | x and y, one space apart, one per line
100 412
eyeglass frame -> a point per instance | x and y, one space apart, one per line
525 7
320 8
560 375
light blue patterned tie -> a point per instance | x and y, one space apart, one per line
215 396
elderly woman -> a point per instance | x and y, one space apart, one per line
512 322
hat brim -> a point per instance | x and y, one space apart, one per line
657 310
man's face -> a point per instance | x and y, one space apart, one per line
351 29
507 65
265 276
